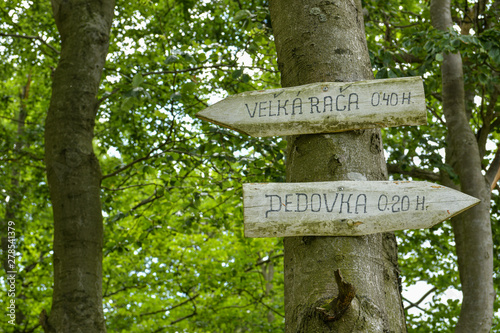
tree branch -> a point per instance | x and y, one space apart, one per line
217 66
259 300
261 262
192 69
434 113
123 289
144 158
181 319
493 173
127 187
420 300
413 172
170 308
484 131
31 38
406 57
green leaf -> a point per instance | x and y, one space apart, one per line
455 43
483 78
176 96
392 73
171 59
188 88
237 73
242 15
188 57
137 80
127 104
245 78
439 57
494 54
160 114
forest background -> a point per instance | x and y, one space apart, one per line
175 258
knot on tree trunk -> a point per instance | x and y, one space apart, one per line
335 308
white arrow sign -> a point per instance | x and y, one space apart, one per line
322 107
347 208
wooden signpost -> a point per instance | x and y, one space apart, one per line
322 108
344 208
347 208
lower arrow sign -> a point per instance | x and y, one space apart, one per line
347 208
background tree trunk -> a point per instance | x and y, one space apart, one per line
473 228
325 41
73 170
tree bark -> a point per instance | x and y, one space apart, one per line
472 229
320 41
73 171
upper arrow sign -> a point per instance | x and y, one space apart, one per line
322 107
347 208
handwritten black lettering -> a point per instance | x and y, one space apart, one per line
360 204
354 101
375 99
349 203
271 203
276 95
344 89
406 98
262 108
252 114
420 203
318 202
382 202
342 202
270 110
298 202
329 210
337 102
330 103
282 107
298 106
314 104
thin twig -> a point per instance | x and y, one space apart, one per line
144 158
170 308
191 69
441 120
420 300
259 300
181 319
127 187
493 173
261 262
105 97
31 38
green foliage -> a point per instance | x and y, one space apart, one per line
175 259
403 43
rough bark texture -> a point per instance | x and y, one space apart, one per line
73 170
473 228
325 41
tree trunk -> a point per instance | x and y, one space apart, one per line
472 229
73 171
320 41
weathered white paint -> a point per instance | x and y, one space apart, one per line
322 107
347 208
